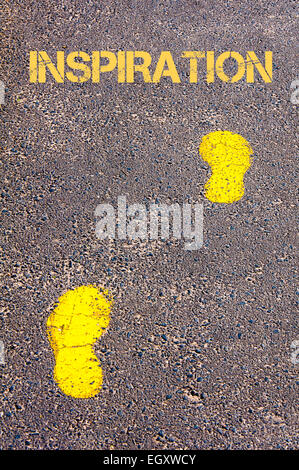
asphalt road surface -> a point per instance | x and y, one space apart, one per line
198 351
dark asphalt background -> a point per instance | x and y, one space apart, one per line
197 355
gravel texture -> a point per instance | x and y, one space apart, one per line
197 354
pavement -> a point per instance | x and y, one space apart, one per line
198 351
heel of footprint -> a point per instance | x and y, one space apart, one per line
76 323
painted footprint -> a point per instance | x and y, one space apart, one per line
73 327
229 156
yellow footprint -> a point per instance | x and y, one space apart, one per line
73 327
229 156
